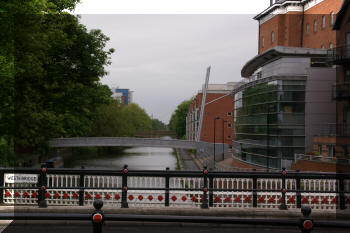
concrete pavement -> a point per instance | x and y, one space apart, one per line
109 227
220 212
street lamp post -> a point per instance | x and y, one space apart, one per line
269 109
216 118
223 139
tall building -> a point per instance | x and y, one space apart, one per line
123 95
286 95
219 103
336 142
298 23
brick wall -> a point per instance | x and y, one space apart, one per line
304 165
223 109
289 29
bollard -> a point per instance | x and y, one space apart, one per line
97 217
306 223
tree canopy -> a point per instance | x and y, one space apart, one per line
177 122
50 67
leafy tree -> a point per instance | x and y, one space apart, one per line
158 125
116 120
135 119
50 67
177 122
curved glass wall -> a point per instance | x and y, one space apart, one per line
269 122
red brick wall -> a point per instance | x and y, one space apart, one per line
218 108
304 165
287 28
322 36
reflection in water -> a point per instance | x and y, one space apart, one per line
140 158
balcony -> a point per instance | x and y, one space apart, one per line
339 55
341 91
334 130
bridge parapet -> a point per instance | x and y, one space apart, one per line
121 141
73 187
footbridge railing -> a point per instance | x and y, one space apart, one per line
205 189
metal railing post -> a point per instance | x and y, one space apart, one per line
298 191
283 205
211 193
341 191
255 193
167 187
42 187
205 189
2 184
125 187
81 187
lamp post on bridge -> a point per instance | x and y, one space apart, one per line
223 139
216 118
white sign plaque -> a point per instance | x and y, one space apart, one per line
21 178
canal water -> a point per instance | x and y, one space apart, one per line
137 158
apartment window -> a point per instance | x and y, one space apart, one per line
330 45
229 125
331 150
229 113
319 149
323 21
272 37
332 18
228 136
315 25
307 29
262 42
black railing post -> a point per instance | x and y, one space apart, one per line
255 193
205 189
125 187
341 191
1 189
211 193
81 186
298 191
97 217
167 177
42 187
283 205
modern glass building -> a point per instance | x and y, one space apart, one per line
280 105
269 121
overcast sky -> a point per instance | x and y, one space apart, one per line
163 58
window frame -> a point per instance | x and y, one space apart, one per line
315 25
262 42
323 25
272 37
331 20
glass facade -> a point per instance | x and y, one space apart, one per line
269 122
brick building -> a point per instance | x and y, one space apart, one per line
336 142
286 97
219 103
298 23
